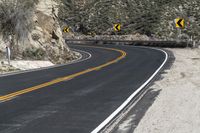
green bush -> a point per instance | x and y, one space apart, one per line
37 54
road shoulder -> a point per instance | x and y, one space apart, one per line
23 66
171 104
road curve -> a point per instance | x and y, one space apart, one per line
78 97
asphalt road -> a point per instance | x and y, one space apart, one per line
78 97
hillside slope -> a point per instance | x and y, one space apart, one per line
154 18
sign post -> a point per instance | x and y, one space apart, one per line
8 53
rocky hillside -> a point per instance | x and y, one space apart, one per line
34 30
36 33
154 18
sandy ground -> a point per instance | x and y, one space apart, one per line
177 108
23 65
26 65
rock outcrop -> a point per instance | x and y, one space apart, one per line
44 40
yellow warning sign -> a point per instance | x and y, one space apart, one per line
117 27
180 23
66 29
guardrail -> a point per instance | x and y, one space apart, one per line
181 44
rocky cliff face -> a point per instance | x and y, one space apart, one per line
44 39
47 33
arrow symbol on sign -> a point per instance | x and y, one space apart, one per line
180 22
66 29
117 27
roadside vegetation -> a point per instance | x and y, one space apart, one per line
15 21
154 18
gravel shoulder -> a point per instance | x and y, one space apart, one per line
171 104
21 65
177 107
24 65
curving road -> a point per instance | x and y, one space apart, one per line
78 97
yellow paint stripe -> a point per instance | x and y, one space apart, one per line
58 80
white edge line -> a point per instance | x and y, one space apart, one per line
120 108
44 68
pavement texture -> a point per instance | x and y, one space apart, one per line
78 105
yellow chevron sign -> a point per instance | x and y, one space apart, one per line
66 29
117 27
180 23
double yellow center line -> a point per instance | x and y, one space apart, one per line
58 80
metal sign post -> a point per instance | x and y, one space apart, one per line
8 53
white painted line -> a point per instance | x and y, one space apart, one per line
130 98
54 66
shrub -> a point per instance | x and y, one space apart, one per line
34 53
